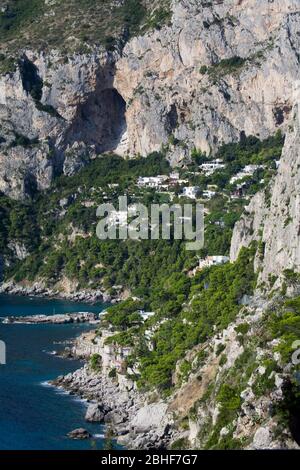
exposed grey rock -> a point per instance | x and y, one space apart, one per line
150 417
275 220
136 422
132 103
144 421
262 438
39 288
159 75
95 413
19 249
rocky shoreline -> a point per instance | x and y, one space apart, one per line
79 317
134 423
148 421
37 289
136 420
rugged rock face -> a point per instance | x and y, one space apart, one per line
273 217
39 288
55 115
217 70
200 412
94 413
160 75
260 388
135 421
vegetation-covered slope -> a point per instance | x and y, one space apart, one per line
58 228
69 24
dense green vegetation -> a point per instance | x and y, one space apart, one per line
124 315
227 395
18 14
227 66
224 212
40 224
251 150
233 65
7 64
248 151
58 229
285 324
45 224
190 310
282 323
211 300
279 323
95 362
18 222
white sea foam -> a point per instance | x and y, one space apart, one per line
51 353
46 384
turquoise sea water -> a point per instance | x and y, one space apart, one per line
32 414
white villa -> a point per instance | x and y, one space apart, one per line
160 181
247 171
210 261
210 167
151 181
146 315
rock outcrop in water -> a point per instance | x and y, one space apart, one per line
80 317
216 71
79 434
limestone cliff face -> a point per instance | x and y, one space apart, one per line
218 69
160 75
273 218
55 114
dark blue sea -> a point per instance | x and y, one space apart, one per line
32 414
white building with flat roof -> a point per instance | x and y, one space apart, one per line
212 261
210 167
249 170
151 181
146 315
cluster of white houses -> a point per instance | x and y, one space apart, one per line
193 192
166 182
160 181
